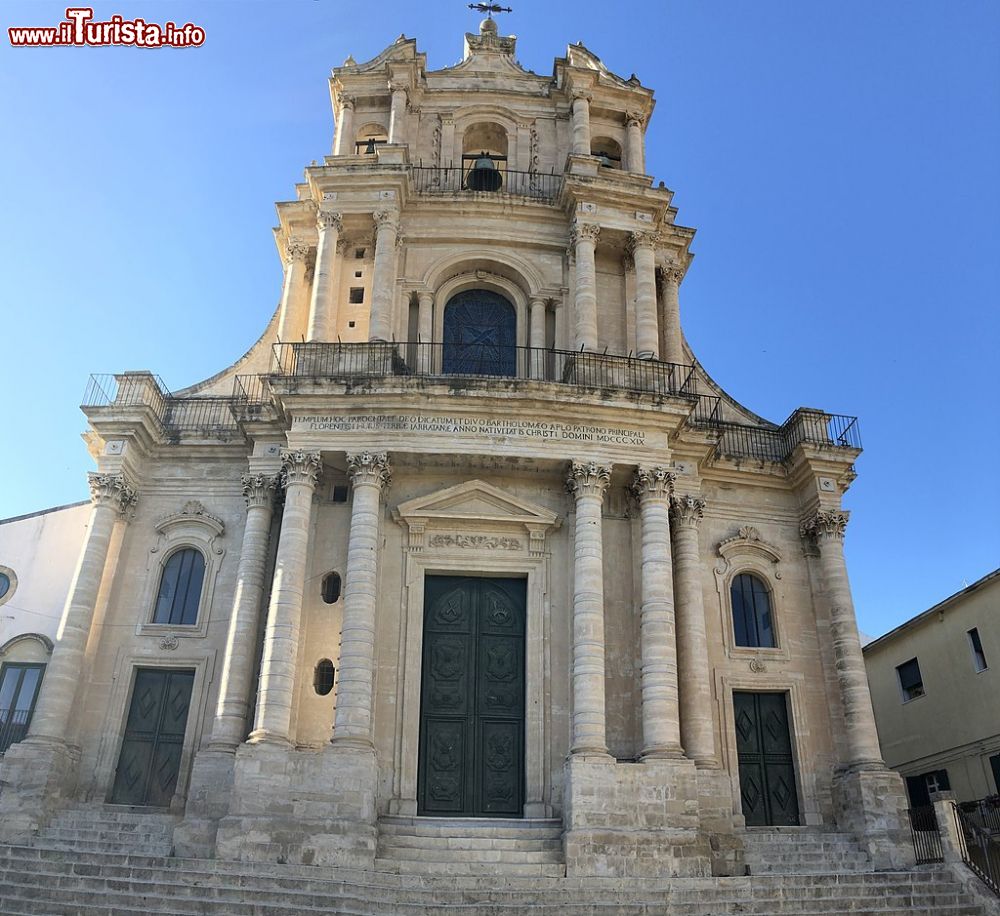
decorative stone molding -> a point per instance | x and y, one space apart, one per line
193 516
652 483
584 232
825 523
259 490
296 250
479 541
169 643
329 219
369 468
113 491
758 666
687 510
588 479
747 542
300 467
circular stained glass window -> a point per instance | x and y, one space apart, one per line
4 584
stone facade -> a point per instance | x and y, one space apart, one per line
626 494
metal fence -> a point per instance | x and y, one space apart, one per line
926 834
980 833
540 186
13 726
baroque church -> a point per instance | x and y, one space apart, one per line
467 568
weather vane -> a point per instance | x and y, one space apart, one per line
490 8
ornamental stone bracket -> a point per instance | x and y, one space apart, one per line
475 515
193 521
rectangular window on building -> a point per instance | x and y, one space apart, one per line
19 685
978 655
910 681
357 295
995 766
359 253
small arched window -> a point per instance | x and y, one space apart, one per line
180 589
323 677
331 588
752 622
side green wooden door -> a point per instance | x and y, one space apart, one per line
472 698
767 770
150 758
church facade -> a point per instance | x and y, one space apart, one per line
468 535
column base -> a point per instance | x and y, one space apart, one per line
209 795
38 777
301 806
870 801
633 820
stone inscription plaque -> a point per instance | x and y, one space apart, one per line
424 424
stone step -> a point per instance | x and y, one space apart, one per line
528 844
485 857
121 815
488 828
476 868
113 836
104 846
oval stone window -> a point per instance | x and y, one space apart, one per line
331 588
323 677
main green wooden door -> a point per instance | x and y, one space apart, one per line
472 698
767 770
150 758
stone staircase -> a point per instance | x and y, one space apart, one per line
55 882
470 846
110 828
802 851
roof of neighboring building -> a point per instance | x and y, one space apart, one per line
938 608
19 518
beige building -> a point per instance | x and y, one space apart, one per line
935 690
468 542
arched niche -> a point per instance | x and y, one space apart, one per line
373 134
481 278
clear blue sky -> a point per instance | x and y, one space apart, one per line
840 161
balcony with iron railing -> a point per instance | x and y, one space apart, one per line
542 187
13 726
297 367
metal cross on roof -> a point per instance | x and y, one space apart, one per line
490 8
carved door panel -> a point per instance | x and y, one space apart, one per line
767 770
472 698
149 761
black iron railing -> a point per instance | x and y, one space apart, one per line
926 835
13 726
454 362
980 841
540 186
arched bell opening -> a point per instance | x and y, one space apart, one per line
480 335
608 151
369 138
484 157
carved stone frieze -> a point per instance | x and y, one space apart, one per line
477 541
369 468
300 467
587 478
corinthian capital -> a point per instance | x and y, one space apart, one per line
589 232
299 467
386 219
652 483
825 523
259 490
112 491
347 101
643 240
585 94
687 510
369 468
587 478
296 250
328 219
634 118
673 272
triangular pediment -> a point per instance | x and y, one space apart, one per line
476 500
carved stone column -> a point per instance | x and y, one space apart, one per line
370 474
536 338
233 703
581 122
673 341
826 528
345 128
425 331
693 673
661 736
383 274
588 483
633 143
647 332
584 239
323 307
112 497
397 113
289 320
275 695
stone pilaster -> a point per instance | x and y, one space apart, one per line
584 242
39 772
383 275
345 128
588 482
660 711
323 306
425 330
647 331
581 122
673 340
635 158
289 321
536 338
370 474
276 692
697 728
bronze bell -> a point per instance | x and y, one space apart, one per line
484 174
